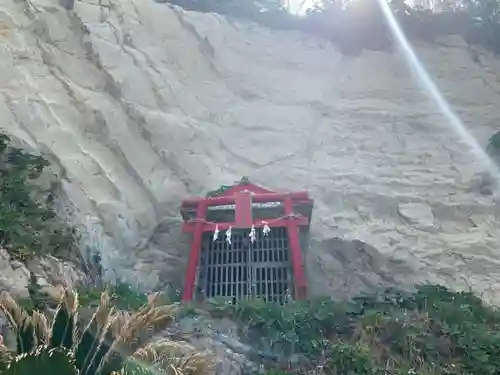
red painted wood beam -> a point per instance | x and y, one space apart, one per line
299 279
190 227
243 210
194 254
257 198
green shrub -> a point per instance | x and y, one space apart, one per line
349 359
123 296
28 220
430 331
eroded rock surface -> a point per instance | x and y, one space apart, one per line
14 276
219 338
50 273
140 105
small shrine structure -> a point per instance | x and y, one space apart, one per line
247 241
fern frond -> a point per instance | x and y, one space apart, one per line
63 329
20 322
43 361
147 320
41 328
129 328
15 314
91 348
5 355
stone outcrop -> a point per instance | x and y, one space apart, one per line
220 339
139 104
14 276
50 273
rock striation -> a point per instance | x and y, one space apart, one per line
139 104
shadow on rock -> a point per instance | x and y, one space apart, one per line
343 268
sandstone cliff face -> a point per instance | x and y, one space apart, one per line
140 104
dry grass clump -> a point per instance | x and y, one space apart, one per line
113 342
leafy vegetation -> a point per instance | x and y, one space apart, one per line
358 25
28 221
430 331
111 343
122 295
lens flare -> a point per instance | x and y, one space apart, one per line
432 90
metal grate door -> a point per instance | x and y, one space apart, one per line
244 269
224 267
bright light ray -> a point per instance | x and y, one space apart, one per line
432 90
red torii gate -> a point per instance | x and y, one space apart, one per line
243 196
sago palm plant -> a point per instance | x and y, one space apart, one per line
111 343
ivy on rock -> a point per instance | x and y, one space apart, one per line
28 219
